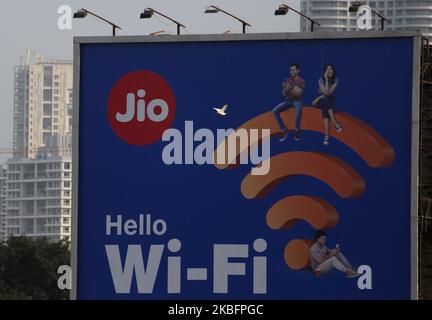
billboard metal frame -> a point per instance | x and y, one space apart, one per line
415 119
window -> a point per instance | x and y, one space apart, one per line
66 184
53 202
47 94
46 137
47 108
47 123
47 76
66 166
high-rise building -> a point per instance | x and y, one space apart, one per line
39 193
38 198
3 178
403 14
42 103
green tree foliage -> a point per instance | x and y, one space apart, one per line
28 268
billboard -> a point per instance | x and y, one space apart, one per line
266 166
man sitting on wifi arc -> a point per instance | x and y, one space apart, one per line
323 260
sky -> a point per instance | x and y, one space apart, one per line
33 24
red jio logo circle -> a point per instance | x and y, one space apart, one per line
141 106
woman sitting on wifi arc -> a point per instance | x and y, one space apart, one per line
326 101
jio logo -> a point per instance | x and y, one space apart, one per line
141 106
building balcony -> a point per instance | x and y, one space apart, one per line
55 206
38 215
32 198
412 25
339 26
414 7
28 212
317 6
17 207
13 232
14 171
55 188
345 17
56 225
48 234
38 180
416 16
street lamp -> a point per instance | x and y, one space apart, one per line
357 4
82 13
283 10
148 13
213 9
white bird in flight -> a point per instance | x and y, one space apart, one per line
222 110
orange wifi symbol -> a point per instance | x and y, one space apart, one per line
336 173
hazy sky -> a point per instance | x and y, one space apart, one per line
33 24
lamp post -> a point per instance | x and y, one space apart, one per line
214 9
357 4
283 10
148 13
82 13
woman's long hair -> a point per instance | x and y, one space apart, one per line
333 78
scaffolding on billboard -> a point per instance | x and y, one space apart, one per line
425 174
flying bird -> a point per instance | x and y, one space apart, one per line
222 110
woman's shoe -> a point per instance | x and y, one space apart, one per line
339 128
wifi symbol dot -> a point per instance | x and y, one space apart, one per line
337 174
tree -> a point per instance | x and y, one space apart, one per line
28 268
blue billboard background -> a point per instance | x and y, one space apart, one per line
203 205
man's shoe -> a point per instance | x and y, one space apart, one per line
352 274
284 135
297 135
326 140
